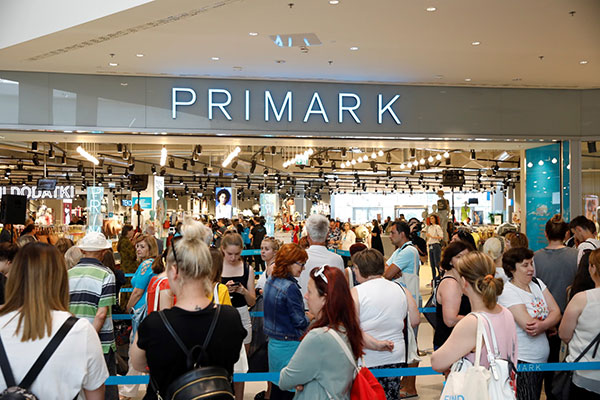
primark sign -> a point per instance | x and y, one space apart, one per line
271 106
33 193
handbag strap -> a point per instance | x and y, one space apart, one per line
344 347
5 365
490 354
41 361
596 341
157 292
183 347
406 319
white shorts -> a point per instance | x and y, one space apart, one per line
246 322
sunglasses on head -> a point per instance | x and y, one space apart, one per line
321 273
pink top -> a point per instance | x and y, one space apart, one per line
506 336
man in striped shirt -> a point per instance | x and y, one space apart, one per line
92 294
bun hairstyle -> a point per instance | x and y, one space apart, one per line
556 228
192 256
517 240
494 247
275 245
478 269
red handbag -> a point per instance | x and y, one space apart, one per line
365 386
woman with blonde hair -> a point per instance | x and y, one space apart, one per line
494 248
37 306
189 268
476 271
268 250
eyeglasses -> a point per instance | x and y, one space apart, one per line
301 264
321 272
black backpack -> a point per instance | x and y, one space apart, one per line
21 391
207 383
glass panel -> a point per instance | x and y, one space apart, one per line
9 101
543 191
64 107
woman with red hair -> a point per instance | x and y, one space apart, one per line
335 332
285 321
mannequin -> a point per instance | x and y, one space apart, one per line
443 207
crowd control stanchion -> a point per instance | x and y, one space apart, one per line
379 373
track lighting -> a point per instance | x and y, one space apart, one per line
333 166
20 165
343 153
51 153
171 162
30 178
109 170
205 171
273 150
430 159
34 146
87 155
438 157
262 156
388 158
388 172
446 155
184 165
235 177
252 166
473 155
153 169
119 147
163 171
266 172
35 159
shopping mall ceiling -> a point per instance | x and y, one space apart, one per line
534 43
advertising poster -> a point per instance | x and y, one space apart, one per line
94 208
223 202
67 207
268 209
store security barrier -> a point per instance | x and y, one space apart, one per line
379 373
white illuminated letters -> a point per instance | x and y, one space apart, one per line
270 104
388 108
342 108
349 104
221 106
175 103
321 109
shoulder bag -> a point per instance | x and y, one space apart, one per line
410 341
365 386
469 381
561 384
205 382
21 391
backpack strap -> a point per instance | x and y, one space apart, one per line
183 347
39 364
596 340
5 365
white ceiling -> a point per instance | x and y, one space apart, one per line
398 41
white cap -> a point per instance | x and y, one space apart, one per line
94 241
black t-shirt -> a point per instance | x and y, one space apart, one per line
2 285
165 358
258 234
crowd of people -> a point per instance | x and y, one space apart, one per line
322 313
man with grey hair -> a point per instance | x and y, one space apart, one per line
317 228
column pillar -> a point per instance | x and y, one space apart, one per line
574 187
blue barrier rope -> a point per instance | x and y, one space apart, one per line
379 373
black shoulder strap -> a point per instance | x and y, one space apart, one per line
5 365
41 361
406 328
535 280
178 339
595 341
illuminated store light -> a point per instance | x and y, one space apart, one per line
87 156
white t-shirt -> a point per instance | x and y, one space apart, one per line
532 349
347 239
434 230
383 308
317 257
589 244
76 364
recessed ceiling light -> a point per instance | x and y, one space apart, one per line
517 79
439 77
467 79
334 2
431 9
124 83
475 43
112 64
583 62
353 48
215 58
253 33
140 55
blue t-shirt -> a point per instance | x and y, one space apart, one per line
141 279
246 236
406 258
